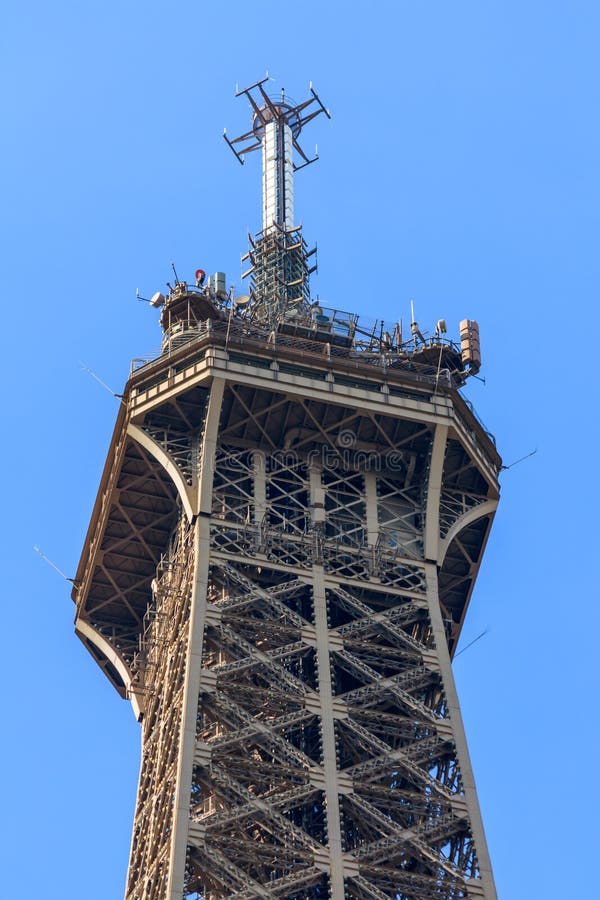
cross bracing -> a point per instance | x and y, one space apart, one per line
276 576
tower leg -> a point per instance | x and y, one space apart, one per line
462 750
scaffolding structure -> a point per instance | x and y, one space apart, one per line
285 542
279 273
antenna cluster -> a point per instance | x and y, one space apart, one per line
278 111
278 301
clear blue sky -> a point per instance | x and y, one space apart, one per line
460 169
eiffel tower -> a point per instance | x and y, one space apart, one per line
287 533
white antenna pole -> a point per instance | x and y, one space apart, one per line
278 176
85 368
50 563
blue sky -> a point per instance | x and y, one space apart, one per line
460 169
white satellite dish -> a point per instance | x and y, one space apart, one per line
157 299
242 300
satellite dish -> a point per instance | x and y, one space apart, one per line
200 276
157 299
243 300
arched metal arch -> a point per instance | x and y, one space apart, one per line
488 507
88 633
186 494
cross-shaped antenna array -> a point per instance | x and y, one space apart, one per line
282 111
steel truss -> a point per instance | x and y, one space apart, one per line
291 666
279 273
161 674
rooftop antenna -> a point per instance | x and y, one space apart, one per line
97 378
517 461
54 566
414 327
474 641
279 258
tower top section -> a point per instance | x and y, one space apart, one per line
278 307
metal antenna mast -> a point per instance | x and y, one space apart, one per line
278 255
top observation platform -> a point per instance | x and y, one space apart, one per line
188 313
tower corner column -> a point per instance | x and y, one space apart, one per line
187 745
460 741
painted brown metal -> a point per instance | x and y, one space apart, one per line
280 559
276 573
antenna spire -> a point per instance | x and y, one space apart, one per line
279 267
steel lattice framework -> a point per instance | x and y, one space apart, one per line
276 574
278 566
